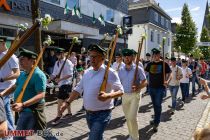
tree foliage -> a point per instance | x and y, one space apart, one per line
205 38
186 32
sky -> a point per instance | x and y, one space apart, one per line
174 8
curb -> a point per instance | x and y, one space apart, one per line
204 120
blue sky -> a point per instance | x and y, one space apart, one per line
174 9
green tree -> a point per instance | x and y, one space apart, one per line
196 52
205 38
186 32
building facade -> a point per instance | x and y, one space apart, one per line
150 19
66 26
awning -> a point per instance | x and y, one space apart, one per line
66 27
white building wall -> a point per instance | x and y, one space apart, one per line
138 30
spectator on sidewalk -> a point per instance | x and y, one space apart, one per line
206 84
98 105
157 85
131 99
202 134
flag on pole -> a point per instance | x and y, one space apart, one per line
66 10
76 11
94 18
101 19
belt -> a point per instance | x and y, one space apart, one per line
98 111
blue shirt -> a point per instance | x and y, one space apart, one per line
126 77
36 84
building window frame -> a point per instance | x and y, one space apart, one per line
152 36
162 21
158 38
156 16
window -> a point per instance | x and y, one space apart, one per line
162 21
110 15
168 41
158 38
156 16
54 1
152 36
167 24
72 3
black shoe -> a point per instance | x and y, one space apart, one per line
152 122
155 128
56 121
172 112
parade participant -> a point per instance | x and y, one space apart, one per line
119 62
174 83
50 62
116 66
3 119
33 98
132 97
157 85
98 105
64 82
203 67
194 66
8 75
184 82
145 63
134 58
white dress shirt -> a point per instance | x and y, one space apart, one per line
126 77
116 66
90 87
186 72
67 70
6 70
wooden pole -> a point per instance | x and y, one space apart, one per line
138 59
103 85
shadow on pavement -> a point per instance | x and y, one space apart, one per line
145 108
65 122
80 137
116 123
146 133
166 116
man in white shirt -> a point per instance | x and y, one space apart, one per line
174 83
9 72
117 66
98 105
64 82
119 62
184 82
132 97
